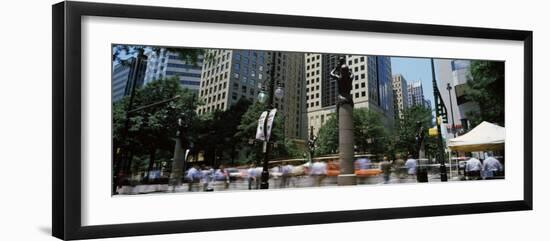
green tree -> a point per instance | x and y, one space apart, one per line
247 131
153 121
408 128
486 88
369 133
327 142
218 130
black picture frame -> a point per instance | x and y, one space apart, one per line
66 58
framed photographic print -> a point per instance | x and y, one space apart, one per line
170 120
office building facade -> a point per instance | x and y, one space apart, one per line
371 87
125 75
400 95
415 93
167 64
230 75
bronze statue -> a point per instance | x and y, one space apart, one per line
344 75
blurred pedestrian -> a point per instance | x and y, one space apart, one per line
385 167
473 168
207 176
252 177
286 174
491 168
193 177
410 165
399 167
221 177
318 172
362 163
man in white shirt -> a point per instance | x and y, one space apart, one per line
318 172
473 168
410 164
490 166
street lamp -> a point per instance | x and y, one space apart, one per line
452 114
268 99
279 93
262 96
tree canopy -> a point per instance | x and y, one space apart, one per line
153 121
370 135
486 88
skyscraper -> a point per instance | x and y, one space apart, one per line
124 75
400 95
119 80
371 88
415 93
167 64
289 74
229 75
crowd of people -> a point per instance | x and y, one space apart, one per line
488 168
206 178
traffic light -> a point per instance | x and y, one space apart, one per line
432 131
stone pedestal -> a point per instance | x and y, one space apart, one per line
177 164
345 139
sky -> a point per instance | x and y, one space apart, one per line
414 69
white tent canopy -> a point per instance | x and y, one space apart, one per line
484 137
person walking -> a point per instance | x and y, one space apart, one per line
491 168
385 167
252 176
286 174
473 168
410 165
221 178
318 173
193 177
399 168
207 173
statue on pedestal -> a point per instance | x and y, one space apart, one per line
343 74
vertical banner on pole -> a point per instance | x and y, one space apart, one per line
269 125
260 134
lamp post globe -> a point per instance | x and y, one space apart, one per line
279 93
262 97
